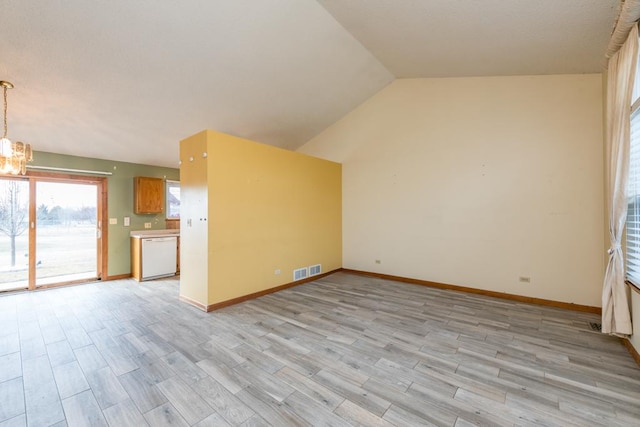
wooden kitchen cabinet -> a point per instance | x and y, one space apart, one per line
148 195
136 258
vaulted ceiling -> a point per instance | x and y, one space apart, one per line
126 80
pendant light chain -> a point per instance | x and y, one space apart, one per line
4 135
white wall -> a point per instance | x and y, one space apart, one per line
635 321
476 182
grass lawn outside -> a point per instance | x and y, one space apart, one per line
61 250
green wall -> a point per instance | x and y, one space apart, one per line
120 199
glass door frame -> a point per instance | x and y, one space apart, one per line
101 230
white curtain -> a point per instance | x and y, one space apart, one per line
628 15
616 318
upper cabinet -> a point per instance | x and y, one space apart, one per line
148 195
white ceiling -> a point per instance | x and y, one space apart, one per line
451 38
126 80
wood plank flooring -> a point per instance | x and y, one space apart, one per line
344 350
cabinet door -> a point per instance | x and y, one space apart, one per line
148 195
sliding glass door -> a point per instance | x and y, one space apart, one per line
50 230
14 234
66 232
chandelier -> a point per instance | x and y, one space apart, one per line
13 155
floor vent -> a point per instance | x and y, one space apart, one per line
595 326
315 270
300 273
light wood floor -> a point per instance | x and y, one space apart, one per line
344 350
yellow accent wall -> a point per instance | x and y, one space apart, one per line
264 209
194 231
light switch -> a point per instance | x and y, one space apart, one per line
147 225
127 221
113 221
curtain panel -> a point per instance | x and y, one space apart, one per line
616 318
628 15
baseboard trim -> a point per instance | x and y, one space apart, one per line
238 300
118 277
193 302
512 297
632 350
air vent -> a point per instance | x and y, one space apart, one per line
300 273
314 270
595 326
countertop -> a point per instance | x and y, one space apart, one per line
155 233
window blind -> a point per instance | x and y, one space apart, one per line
633 190
633 212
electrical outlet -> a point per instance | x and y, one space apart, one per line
147 225
277 272
524 279
113 221
127 221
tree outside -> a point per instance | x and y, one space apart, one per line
14 211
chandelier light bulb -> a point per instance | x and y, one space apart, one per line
5 147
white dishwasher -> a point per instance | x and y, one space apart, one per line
159 257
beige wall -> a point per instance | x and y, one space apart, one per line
266 209
476 182
635 321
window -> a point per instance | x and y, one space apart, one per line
173 199
633 191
